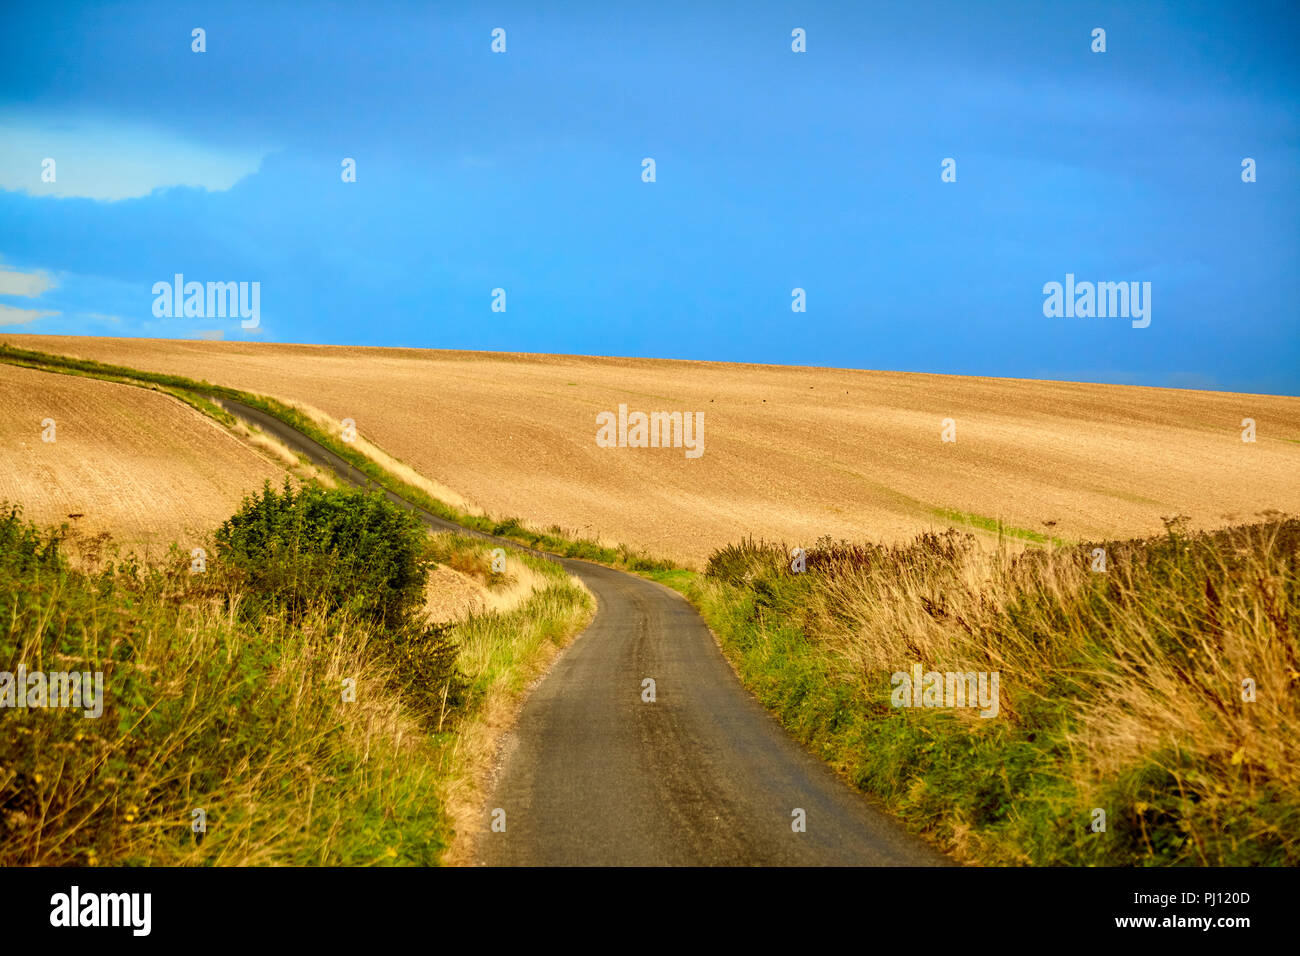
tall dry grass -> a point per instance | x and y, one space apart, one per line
244 716
1124 690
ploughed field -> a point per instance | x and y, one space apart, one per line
785 453
141 466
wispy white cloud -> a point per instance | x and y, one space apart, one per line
26 284
95 159
11 315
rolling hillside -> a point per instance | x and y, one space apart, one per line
790 453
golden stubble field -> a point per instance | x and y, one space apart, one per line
790 453
139 465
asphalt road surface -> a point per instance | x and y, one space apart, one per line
595 774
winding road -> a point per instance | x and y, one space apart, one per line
594 774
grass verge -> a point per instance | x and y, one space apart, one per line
1162 692
998 526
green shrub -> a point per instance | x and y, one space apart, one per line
340 549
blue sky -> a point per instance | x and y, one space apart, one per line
775 170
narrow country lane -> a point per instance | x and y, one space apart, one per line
593 774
